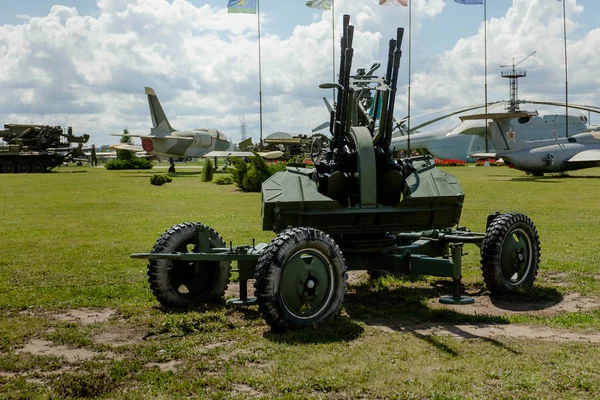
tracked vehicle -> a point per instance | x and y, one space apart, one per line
357 209
35 148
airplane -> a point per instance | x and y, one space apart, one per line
468 137
537 157
165 141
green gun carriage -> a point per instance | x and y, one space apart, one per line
357 209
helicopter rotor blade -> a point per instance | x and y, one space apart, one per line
322 126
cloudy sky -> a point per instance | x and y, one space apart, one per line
85 63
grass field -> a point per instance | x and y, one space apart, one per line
77 318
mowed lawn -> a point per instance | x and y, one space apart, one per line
65 242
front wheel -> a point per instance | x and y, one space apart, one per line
510 253
300 279
187 283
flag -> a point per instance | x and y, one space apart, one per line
242 6
393 2
321 4
471 1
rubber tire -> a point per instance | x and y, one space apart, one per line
38 167
163 277
268 277
23 168
491 251
8 168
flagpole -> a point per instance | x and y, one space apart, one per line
566 73
260 78
485 62
409 62
333 45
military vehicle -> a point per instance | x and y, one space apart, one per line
35 148
357 209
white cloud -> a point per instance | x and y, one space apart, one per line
89 72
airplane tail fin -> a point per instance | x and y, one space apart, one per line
503 136
160 123
501 132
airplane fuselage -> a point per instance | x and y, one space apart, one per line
190 143
553 155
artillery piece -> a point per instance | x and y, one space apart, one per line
357 209
35 148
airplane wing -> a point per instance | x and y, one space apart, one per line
154 137
125 146
586 156
271 155
229 154
485 155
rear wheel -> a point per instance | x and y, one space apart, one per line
187 283
23 167
8 168
38 167
300 279
510 253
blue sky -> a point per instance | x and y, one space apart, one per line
85 63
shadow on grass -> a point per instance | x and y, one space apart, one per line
405 309
343 329
392 304
540 179
535 299
152 173
579 177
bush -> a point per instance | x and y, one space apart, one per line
224 180
249 177
136 163
239 171
159 180
207 171
276 167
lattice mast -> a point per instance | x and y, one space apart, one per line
514 75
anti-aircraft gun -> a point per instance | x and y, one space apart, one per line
35 148
357 209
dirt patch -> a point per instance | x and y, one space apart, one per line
484 331
246 390
215 345
357 277
484 305
46 348
233 289
118 335
86 316
169 366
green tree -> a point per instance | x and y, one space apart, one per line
125 155
207 171
249 177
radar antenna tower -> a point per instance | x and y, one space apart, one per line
244 129
514 75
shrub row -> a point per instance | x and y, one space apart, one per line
135 163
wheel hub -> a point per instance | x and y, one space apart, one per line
306 282
515 256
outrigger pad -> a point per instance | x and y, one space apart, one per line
250 301
454 300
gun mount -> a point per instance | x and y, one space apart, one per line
357 209
35 148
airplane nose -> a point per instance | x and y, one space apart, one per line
147 145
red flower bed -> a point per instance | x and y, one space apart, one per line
450 163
